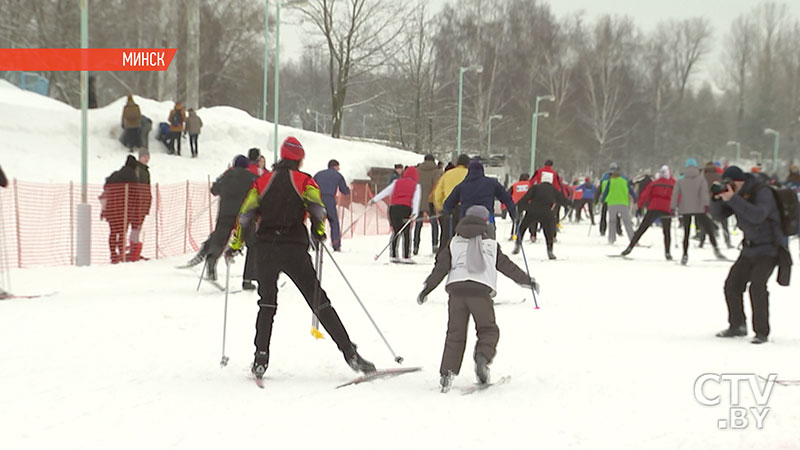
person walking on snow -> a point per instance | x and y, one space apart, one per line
283 199
118 206
478 189
538 204
470 262
691 198
403 208
429 174
444 187
656 198
144 199
517 191
329 182
232 188
588 191
193 125
176 118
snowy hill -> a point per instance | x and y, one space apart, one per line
41 142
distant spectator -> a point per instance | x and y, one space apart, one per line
176 119
330 181
141 209
193 125
117 204
398 172
131 124
262 163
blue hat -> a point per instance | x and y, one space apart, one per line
241 161
691 162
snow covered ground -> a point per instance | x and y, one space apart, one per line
127 357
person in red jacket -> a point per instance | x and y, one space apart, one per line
403 208
548 175
517 191
656 198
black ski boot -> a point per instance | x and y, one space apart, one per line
446 381
359 364
416 249
482 368
517 248
668 256
260 364
719 254
198 258
248 285
627 250
550 255
684 259
759 339
733 332
211 269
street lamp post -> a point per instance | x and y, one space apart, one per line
489 143
477 69
775 144
534 126
266 56
738 149
84 230
276 95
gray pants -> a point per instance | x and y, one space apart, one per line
624 213
460 308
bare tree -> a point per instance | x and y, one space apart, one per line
360 37
193 54
689 45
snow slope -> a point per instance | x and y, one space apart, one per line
41 142
126 357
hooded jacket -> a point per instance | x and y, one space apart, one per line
757 212
429 174
447 182
232 188
657 195
478 189
691 194
131 115
193 123
451 262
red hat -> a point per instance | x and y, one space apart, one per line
292 149
588 179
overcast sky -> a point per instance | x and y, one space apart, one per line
646 14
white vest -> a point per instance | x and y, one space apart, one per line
458 264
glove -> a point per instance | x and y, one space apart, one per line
371 202
422 298
411 218
230 253
532 285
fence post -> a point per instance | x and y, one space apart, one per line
158 211
351 214
186 219
71 224
210 220
16 211
125 223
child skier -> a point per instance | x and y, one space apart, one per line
471 262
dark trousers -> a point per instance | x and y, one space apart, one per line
460 308
174 136
133 138
333 220
398 216
217 241
532 220
116 239
448 223
701 221
579 209
192 144
756 271
250 259
434 228
726 232
604 221
649 218
295 262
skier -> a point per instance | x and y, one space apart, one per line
471 262
329 182
256 164
478 189
232 188
429 174
656 198
118 204
517 191
691 198
141 209
588 191
447 182
547 174
757 213
403 208
282 199
617 195
538 204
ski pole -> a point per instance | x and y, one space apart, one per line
527 270
317 293
397 359
408 222
224 361
202 272
354 222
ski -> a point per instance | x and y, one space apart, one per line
28 296
381 373
782 382
259 381
482 387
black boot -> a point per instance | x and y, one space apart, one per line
627 250
446 381
668 256
211 268
684 259
248 285
517 248
359 364
733 332
260 364
550 254
759 339
198 258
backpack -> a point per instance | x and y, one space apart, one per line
788 209
176 118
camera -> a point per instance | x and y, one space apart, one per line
719 187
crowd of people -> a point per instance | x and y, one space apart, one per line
180 123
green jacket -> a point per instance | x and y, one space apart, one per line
618 191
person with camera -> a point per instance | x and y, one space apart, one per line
754 205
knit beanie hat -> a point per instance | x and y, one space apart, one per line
292 149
